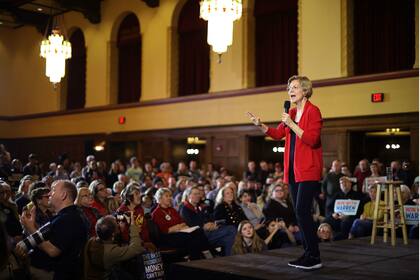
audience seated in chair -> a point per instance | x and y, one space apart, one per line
340 223
173 229
218 235
226 207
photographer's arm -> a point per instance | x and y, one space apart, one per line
50 249
28 222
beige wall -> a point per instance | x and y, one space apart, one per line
25 89
319 54
401 95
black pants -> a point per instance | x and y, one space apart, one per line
303 194
194 242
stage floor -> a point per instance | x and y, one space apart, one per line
348 259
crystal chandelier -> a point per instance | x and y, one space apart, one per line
55 50
220 15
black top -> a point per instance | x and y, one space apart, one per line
275 210
233 214
69 233
292 156
194 216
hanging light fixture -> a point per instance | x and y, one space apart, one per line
55 49
220 15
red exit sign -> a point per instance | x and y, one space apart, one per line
377 97
121 119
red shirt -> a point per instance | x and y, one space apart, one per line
139 220
166 218
100 207
92 218
308 150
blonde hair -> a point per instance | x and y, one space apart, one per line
79 196
304 82
221 194
326 225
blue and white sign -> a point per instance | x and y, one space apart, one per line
346 207
411 214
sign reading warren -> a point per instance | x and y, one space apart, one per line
346 207
411 214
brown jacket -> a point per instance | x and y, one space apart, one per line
100 255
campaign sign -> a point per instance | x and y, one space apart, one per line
346 207
411 214
153 266
371 181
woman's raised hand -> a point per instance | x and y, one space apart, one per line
254 119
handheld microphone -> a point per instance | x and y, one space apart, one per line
286 106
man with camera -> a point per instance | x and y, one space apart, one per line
102 253
63 238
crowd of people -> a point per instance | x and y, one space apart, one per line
73 221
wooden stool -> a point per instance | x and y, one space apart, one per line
389 211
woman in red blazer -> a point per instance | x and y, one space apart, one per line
302 162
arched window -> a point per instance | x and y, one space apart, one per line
129 60
383 36
76 80
194 52
275 41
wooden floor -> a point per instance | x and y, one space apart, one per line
348 259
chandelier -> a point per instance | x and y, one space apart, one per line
55 50
220 15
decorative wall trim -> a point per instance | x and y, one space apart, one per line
223 94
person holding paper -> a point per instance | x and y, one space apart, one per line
175 233
194 215
302 161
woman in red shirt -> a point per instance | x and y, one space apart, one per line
132 203
173 228
302 162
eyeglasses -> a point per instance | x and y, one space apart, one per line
102 189
293 88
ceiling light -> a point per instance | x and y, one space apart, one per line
55 49
220 15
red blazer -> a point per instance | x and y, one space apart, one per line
308 150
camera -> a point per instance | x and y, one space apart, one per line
36 238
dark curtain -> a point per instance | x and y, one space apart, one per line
76 80
275 41
383 36
129 60
194 52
